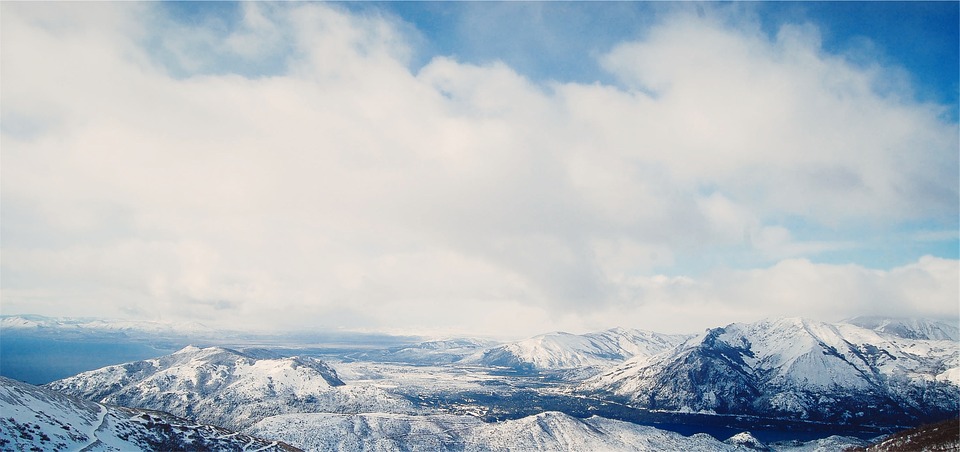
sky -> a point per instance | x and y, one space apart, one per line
479 168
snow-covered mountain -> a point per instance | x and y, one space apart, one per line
549 431
586 353
787 369
442 351
36 418
226 387
795 368
545 431
558 431
911 328
567 351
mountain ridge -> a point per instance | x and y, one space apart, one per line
774 369
225 387
908 327
793 367
561 350
37 418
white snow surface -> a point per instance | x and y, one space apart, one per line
789 367
42 418
36 417
792 360
437 351
910 328
561 350
829 444
548 431
225 387
745 439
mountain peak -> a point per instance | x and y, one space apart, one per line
775 366
188 350
224 387
747 441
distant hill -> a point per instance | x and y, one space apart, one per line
554 351
936 330
443 351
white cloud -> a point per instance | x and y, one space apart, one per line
341 189
744 113
929 287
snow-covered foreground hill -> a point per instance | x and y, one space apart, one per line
36 418
796 368
549 431
229 388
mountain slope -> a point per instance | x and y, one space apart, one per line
557 431
226 387
795 368
567 351
924 329
36 418
545 431
550 431
942 436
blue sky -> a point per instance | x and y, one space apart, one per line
480 167
560 41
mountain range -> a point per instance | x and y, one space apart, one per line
795 368
909 328
544 431
38 418
864 374
559 350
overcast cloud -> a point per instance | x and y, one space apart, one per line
295 168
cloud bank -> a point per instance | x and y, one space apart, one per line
290 168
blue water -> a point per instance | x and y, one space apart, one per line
39 360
